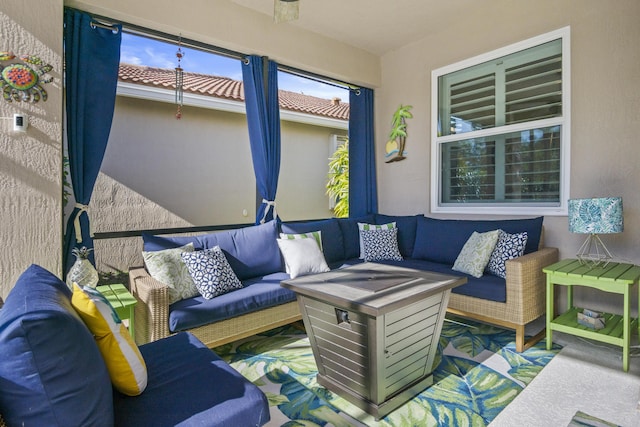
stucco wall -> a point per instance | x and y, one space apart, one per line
605 62
30 163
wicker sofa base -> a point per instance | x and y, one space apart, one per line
526 298
525 302
249 324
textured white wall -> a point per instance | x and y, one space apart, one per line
30 163
605 61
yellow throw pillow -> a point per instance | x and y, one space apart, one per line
124 362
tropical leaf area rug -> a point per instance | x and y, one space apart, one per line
478 374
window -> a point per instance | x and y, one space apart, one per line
500 130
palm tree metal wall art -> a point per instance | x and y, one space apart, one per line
398 135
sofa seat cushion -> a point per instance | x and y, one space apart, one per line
51 371
487 287
190 385
257 294
441 240
251 251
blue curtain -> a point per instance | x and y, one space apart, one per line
263 119
92 55
363 193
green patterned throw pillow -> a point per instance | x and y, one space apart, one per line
167 267
475 254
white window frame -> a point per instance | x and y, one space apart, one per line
565 121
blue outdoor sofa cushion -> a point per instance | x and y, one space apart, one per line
189 385
332 241
487 287
441 240
406 225
257 294
51 371
351 234
251 251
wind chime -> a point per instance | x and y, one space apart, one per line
179 80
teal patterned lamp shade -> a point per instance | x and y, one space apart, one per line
602 215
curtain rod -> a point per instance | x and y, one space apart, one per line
112 27
106 22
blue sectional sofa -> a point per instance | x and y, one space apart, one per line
424 243
52 373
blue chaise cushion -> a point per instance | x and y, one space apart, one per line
189 385
51 371
251 251
441 240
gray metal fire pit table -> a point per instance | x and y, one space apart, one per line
374 330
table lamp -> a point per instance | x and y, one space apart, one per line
601 215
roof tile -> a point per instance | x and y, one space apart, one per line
224 87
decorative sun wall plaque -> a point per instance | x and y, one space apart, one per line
21 79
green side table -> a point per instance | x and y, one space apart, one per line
122 301
615 277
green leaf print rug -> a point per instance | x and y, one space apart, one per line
478 374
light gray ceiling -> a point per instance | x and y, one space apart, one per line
377 26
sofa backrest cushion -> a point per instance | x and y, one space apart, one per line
332 242
51 372
251 251
351 234
441 240
406 226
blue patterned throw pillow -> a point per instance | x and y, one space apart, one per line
211 272
509 246
380 244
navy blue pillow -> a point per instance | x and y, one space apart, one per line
52 372
332 243
151 243
441 240
351 234
406 226
251 251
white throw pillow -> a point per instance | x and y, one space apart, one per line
211 272
316 235
167 267
475 253
365 227
302 256
381 244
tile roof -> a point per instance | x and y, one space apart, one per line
224 87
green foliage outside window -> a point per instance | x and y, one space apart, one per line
338 185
